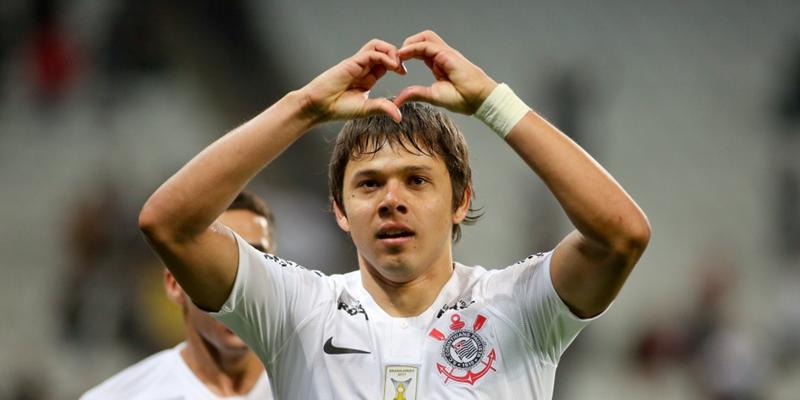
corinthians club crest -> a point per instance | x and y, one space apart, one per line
465 351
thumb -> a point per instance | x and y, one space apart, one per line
415 93
383 105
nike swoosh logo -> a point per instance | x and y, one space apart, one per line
331 349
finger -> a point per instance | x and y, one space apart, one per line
379 45
383 47
367 82
420 50
432 54
415 93
438 72
378 71
382 106
370 58
424 36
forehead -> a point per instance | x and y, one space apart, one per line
250 226
393 158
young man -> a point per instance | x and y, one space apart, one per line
410 323
213 363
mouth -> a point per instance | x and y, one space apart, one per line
394 234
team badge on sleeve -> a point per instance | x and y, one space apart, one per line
465 351
400 382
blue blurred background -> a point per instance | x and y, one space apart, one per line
693 106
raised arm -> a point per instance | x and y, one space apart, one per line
179 218
590 265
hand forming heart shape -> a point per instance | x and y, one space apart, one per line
342 92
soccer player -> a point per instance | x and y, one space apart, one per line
213 363
410 322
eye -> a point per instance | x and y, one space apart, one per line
368 184
417 180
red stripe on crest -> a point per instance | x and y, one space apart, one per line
436 335
478 323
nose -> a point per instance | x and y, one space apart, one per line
392 201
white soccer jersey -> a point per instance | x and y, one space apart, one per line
165 376
494 334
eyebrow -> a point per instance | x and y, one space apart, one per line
409 169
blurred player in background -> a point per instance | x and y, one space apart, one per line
410 323
212 363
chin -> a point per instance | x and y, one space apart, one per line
234 345
231 340
226 340
393 264
397 269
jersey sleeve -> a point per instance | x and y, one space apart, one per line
270 298
153 374
548 323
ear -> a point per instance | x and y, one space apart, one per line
173 289
461 212
341 217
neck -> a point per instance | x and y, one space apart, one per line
223 374
406 298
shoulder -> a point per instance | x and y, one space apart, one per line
469 275
258 267
347 287
505 279
255 261
136 379
535 261
289 266
350 280
531 263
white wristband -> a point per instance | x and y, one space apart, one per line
502 110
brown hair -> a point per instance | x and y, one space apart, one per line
423 130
